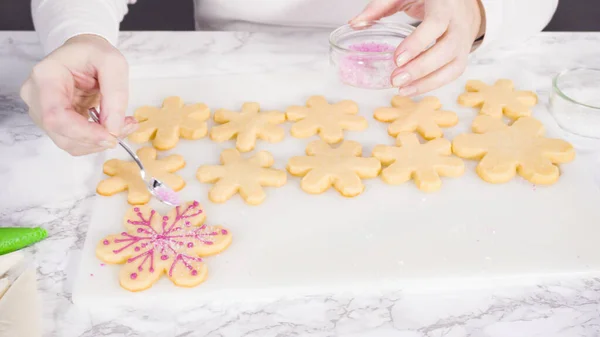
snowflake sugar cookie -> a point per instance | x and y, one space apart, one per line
424 117
165 125
248 126
327 120
244 175
125 175
500 98
424 163
506 150
341 167
153 245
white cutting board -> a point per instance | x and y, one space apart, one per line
390 237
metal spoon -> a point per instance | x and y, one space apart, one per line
158 189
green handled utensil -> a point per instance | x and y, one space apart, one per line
15 238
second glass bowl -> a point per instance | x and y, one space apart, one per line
575 101
363 55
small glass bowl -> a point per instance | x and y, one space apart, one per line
575 101
363 55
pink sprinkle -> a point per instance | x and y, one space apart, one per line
140 268
137 249
180 243
102 265
165 218
92 275
133 276
139 214
224 231
136 209
194 272
123 233
195 203
208 243
105 242
190 245
368 71
151 270
164 257
187 223
152 211
372 47
168 195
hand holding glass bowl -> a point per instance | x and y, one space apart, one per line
363 56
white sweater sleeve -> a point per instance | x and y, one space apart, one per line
56 21
514 21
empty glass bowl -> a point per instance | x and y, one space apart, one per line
575 101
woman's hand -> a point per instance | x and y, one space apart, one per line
453 25
85 71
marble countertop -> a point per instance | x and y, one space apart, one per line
44 187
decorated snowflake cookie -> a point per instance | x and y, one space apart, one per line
424 117
341 167
327 120
125 175
153 245
244 175
506 150
500 98
424 163
165 125
247 126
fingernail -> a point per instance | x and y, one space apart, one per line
401 79
129 129
357 23
107 144
407 91
402 59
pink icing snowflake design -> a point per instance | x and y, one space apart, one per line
153 245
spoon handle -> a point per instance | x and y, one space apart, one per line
94 114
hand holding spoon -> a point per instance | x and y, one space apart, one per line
157 188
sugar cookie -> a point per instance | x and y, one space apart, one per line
328 120
153 245
165 125
248 126
424 117
341 167
506 150
237 174
424 163
498 99
125 175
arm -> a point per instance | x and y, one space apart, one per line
514 21
56 21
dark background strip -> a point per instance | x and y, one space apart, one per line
572 15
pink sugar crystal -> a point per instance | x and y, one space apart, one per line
368 71
372 47
168 195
